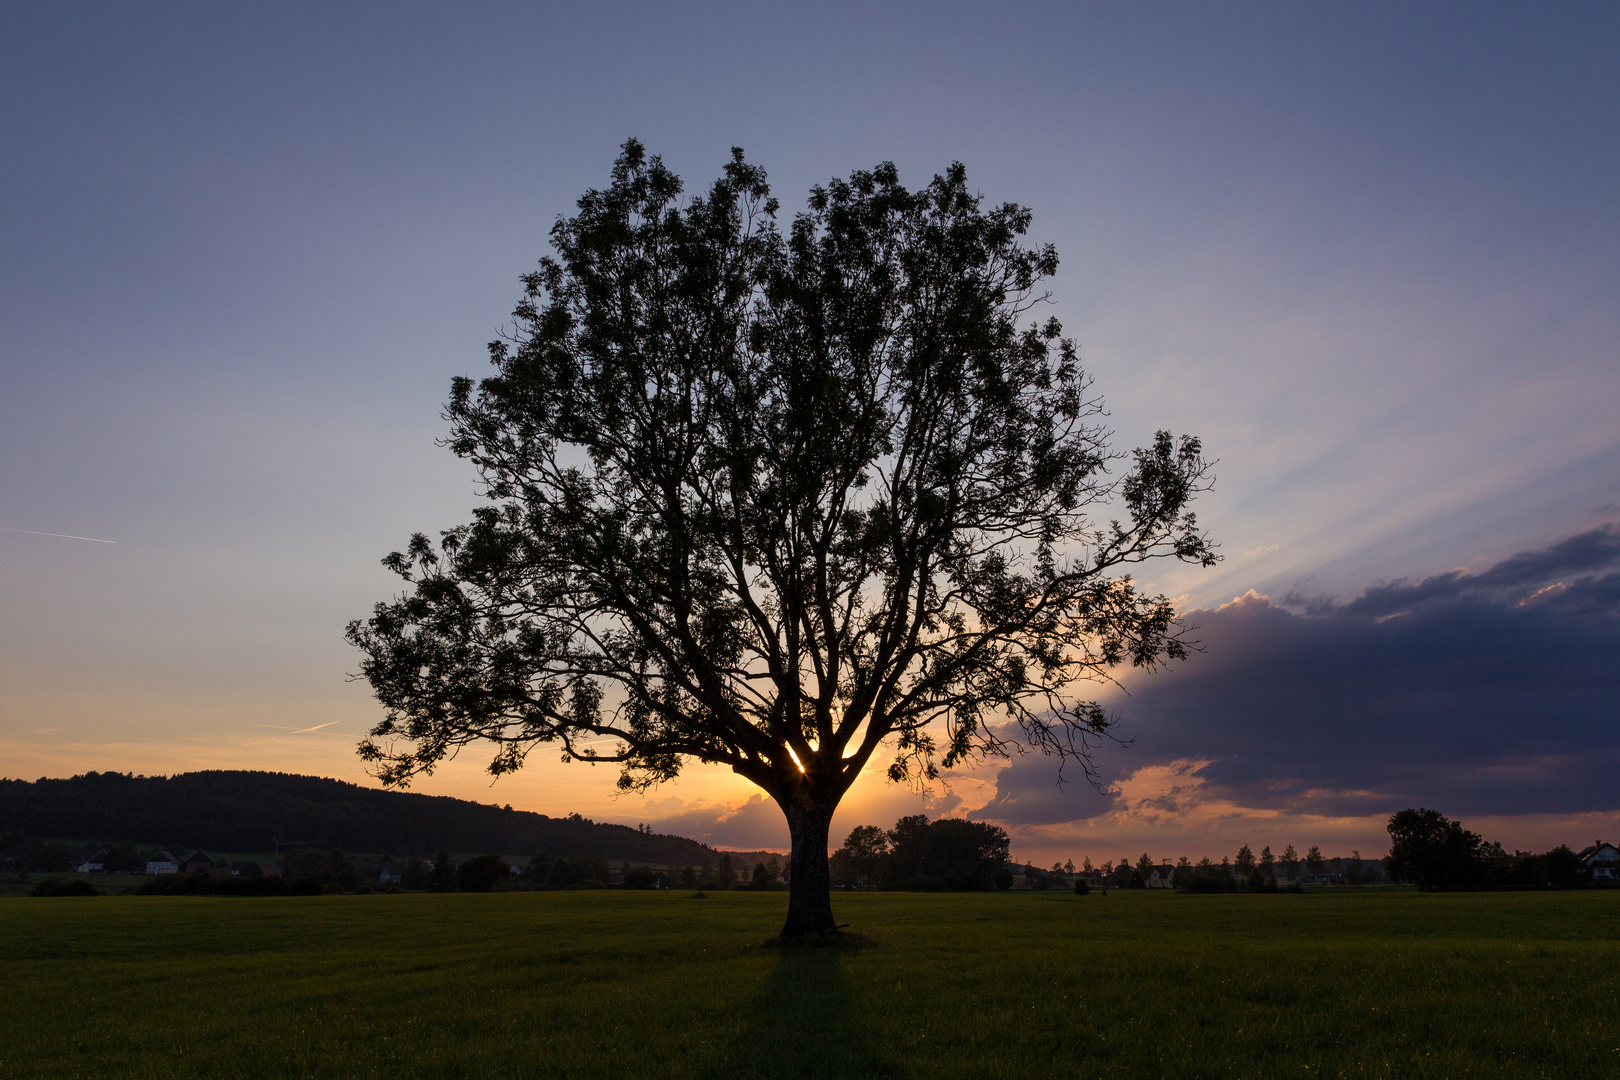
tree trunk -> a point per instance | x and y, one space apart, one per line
810 887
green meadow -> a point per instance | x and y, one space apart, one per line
632 984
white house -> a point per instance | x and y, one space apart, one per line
1603 860
90 863
1162 877
163 863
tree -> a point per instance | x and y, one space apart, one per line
867 847
481 873
443 878
1268 864
1290 862
1244 861
1434 852
778 501
1313 861
1144 868
947 854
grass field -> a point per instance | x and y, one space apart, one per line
626 984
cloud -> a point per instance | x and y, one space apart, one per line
1491 693
754 824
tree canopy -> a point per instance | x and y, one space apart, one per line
778 500
1433 852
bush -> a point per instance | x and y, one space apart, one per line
481 873
1081 888
1201 884
305 887
57 887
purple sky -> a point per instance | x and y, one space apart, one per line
1370 253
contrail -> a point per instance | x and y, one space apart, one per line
60 536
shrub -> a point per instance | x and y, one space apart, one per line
57 887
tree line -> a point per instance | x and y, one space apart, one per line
949 854
242 810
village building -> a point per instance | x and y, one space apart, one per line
198 863
163 863
90 862
1603 860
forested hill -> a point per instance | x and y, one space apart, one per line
257 811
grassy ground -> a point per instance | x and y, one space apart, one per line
648 984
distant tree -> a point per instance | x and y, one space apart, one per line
442 878
1144 868
1290 862
1434 852
1562 868
1183 871
481 873
1124 874
1086 865
416 874
868 847
1244 863
1268 864
1313 861
52 859
728 873
777 502
688 877
947 854
1068 866
639 877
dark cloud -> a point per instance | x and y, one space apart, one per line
1489 693
1591 550
1028 793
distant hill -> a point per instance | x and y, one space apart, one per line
260 811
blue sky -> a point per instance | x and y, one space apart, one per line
1370 253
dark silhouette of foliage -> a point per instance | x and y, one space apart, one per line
564 873
776 501
481 873
261 811
1433 852
57 887
949 854
443 877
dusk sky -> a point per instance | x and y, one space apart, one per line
1370 253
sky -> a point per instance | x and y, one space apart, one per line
1369 253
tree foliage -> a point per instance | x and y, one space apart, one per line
950 854
776 500
1433 852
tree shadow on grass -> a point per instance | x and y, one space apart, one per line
804 1022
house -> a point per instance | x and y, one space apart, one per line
163 863
90 862
198 863
1603 860
1161 877
388 876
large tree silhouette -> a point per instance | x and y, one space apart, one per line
779 501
